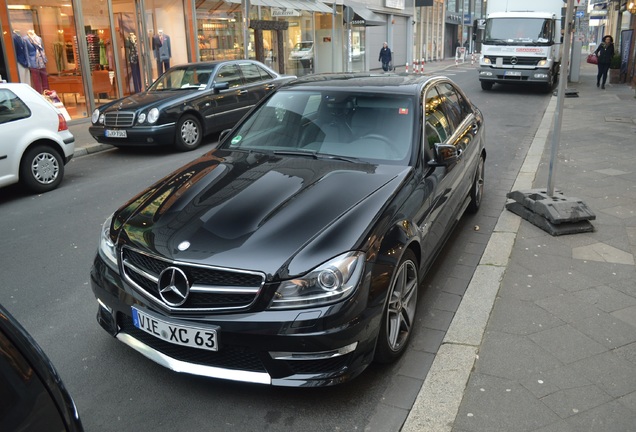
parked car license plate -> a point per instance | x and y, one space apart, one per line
203 338
116 133
508 73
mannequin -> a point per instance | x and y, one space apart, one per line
22 57
161 48
37 62
133 60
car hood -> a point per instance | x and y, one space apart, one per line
147 99
278 215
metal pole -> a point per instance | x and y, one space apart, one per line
558 114
246 28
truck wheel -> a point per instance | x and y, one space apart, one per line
485 85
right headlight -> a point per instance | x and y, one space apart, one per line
108 249
330 282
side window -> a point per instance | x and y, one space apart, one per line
450 104
436 125
251 72
230 74
264 74
11 107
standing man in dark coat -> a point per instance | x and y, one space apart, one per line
385 56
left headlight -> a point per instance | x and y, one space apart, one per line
107 249
330 282
97 117
153 115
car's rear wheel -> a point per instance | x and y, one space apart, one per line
189 133
399 312
477 190
41 169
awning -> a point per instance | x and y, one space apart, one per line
307 5
364 15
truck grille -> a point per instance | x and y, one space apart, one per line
211 288
520 61
119 119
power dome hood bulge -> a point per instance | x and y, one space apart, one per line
257 212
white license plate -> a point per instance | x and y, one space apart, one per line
116 133
513 73
203 338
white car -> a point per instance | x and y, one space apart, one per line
35 142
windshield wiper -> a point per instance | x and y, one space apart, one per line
316 155
310 153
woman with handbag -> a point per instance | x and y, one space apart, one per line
604 53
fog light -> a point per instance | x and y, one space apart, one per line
540 75
485 73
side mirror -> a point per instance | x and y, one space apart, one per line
445 154
217 87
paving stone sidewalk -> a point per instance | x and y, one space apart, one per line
559 349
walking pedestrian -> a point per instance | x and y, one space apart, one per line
385 56
604 53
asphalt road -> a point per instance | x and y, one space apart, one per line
48 243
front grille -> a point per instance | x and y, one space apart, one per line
228 356
212 289
119 119
521 61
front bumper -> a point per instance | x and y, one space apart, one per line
138 136
311 347
509 75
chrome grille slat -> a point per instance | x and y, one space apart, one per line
119 118
213 289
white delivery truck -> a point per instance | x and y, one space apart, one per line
521 43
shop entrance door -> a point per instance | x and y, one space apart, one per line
134 60
270 49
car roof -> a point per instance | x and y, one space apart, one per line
366 82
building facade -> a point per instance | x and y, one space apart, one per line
91 52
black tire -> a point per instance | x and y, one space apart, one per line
399 313
486 85
41 168
189 133
477 189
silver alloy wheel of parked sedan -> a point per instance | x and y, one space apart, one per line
189 133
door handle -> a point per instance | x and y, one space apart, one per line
242 92
270 87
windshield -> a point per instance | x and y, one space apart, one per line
303 46
533 31
186 77
331 124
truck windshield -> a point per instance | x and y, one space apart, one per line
528 31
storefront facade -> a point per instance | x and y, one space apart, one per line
92 52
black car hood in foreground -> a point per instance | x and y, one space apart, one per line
276 214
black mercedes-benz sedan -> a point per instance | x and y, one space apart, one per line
292 254
186 103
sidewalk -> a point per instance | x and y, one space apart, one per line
545 336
